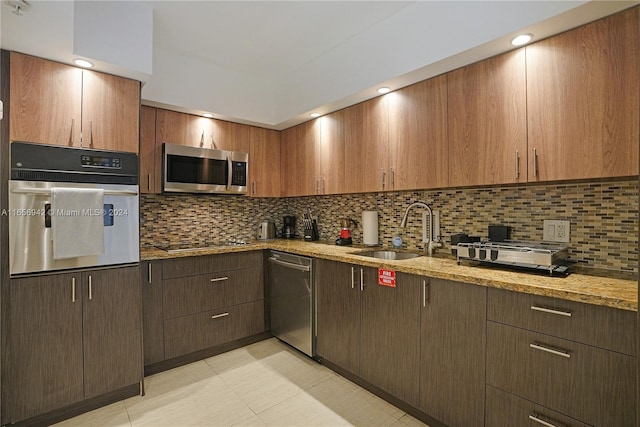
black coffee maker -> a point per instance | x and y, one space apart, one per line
289 228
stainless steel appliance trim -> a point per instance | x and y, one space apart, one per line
217 316
219 279
550 350
289 265
38 192
535 417
551 310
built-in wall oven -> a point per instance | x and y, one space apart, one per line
38 172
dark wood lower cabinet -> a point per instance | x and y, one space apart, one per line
390 327
73 336
452 355
112 330
338 303
590 384
152 313
506 410
46 345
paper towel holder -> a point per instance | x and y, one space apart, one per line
370 228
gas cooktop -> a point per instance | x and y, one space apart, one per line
541 256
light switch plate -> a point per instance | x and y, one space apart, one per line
556 231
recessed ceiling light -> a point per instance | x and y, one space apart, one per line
384 90
207 115
521 39
314 114
82 63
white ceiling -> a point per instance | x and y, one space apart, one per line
270 63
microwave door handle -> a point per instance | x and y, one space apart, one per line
229 173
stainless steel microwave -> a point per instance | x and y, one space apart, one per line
202 170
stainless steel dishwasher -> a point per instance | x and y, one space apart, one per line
293 300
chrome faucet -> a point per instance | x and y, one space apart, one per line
432 243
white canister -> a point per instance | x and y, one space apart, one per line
370 228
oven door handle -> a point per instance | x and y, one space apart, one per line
40 192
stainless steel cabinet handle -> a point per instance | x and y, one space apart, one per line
322 187
362 279
384 175
353 284
149 275
289 265
213 143
426 291
316 184
149 181
73 132
393 178
202 139
73 289
550 350
535 162
220 279
517 164
253 188
535 417
230 174
217 316
90 288
551 311
90 133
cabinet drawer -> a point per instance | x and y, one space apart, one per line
507 410
192 266
188 334
600 326
593 385
195 294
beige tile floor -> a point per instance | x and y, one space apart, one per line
263 384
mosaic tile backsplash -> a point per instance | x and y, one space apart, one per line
603 215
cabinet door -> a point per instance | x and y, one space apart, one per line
150 153
366 135
583 94
46 344
110 112
418 147
152 317
297 151
46 99
390 348
487 120
338 308
230 136
264 162
183 129
112 326
452 368
329 154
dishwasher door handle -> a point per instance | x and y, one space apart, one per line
289 265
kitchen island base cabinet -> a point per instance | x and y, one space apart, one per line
73 336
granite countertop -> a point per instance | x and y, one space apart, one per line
600 289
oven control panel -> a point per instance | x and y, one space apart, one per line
100 161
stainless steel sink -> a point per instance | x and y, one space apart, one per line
392 255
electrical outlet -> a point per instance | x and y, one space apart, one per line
556 231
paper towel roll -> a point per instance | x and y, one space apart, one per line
370 228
